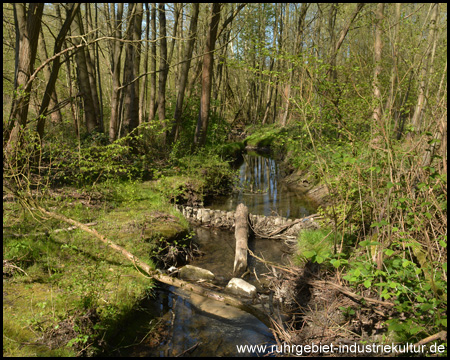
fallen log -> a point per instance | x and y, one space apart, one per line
197 289
241 234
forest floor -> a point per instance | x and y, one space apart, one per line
64 294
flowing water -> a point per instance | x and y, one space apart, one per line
197 326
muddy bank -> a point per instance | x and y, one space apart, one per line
305 184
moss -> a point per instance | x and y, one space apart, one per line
264 137
70 274
231 150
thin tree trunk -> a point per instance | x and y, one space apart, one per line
208 60
53 73
163 70
185 71
131 69
152 103
55 115
91 66
143 93
83 77
378 46
28 24
425 71
116 48
394 72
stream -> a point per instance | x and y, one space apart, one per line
197 326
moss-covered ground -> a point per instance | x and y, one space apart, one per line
64 292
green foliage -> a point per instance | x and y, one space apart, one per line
316 245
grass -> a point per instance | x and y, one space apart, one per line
70 273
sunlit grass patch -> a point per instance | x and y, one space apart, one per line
315 245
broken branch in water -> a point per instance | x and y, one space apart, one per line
227 299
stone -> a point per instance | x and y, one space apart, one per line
241 287
195 273
206 216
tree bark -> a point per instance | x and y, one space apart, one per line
425 71
83 77
131 69
28 24
185 71
297 52
378 46
43 54
50 93
241 234
116 49
163 69
152 103
208 60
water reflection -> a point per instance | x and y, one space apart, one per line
262 190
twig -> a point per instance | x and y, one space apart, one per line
70 228
190 349
440 335
271 264
351 294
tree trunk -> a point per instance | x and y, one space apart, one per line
27 29
185 72
241 234
208 60
152 104
131 69
425 72
83 77
163 69
378 46
52 75
297 52
143 91
394 72
43 54
90 64
116 49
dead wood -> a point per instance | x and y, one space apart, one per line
70 228
440 335
197 289
344 291
241 234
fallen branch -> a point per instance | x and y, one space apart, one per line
227 299
7 264
349 293
241 235
287 226
440 335
70 228
265 262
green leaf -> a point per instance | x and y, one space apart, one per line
388 252
367 283
309 254
336 263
